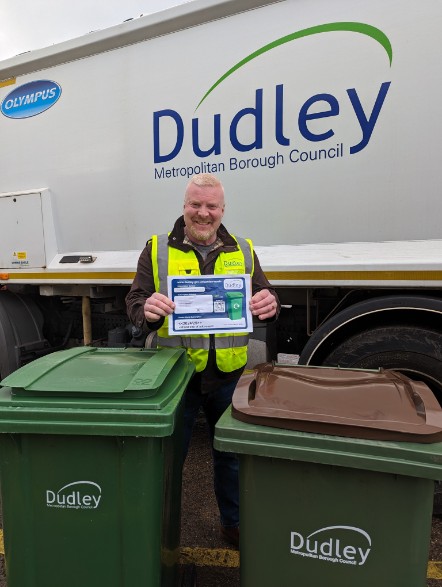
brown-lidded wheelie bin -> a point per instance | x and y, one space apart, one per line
337 472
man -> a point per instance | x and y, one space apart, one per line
200 244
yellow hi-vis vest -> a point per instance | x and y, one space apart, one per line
231 348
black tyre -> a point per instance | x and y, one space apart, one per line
414 351
21 330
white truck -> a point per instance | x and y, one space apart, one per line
321 119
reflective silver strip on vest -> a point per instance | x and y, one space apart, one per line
163 261
202 343
245 249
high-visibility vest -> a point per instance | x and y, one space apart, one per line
231 348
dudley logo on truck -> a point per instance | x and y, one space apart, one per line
170 127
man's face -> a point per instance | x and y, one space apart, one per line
203 212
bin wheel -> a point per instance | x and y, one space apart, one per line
188 576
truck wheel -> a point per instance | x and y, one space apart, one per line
21 325
414 351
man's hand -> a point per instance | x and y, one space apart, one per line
263 304
157 306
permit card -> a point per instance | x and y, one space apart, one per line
210 304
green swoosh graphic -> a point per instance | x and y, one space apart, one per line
355 27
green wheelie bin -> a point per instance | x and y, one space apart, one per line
349 505
90 468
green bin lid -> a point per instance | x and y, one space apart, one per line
102 390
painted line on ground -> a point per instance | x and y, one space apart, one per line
210 557
220 557
434 570
224 557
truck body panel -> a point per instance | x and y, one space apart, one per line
119 109
319 117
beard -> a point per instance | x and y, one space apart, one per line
201 235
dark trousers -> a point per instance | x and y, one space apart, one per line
225 465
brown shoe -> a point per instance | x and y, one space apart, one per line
231 535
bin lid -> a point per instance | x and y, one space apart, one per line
380 405
110 389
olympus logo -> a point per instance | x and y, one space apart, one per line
335 544
76 495
31 99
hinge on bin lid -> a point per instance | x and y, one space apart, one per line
154 372
30 373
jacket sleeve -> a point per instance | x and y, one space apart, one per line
143 286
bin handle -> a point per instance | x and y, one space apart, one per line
155 371
32 372
414 395
240 399
307 378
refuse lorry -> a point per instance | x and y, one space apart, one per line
349 504
320 118
90 465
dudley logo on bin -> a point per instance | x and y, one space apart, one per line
77 495
346 545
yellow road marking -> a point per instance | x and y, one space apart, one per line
224 557
210 557
434 570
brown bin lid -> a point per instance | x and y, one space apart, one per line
379 405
